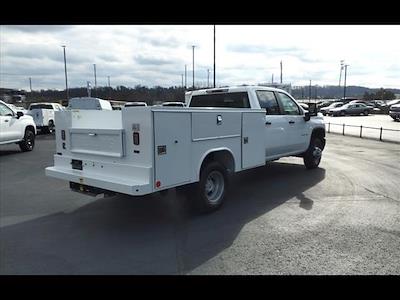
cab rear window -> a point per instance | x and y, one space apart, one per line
40 106
235 100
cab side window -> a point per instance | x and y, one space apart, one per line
5 111
289 106
268 101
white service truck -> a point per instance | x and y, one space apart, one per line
43 115
142 150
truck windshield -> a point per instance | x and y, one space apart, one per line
236 100
40 106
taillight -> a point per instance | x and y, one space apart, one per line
63 135
136 140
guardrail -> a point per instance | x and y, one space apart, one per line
380 129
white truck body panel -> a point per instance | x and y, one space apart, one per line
173 143
149 149
89 103
41 117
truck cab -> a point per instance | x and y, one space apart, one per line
288 127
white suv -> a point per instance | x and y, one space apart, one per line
15 127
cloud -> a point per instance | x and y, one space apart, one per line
152 60
38 28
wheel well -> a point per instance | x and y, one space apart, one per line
224 157
31 128
319 133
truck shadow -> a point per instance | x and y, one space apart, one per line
152 234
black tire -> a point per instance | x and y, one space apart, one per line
210 191
28 142
50 128
342 113
313 155
365 112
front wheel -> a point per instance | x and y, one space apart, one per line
211 188
28 142
312 157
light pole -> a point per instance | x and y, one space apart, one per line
309 92
109 88
345 75
193 64
30 83
185 77
65 69
214 56
341 68
208 78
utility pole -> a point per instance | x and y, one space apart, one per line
88 88
345 75
65 69
281 72
185 77
208 78
109 88
341 68
30 83
214 55
193 64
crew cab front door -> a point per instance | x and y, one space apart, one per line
297 130
276 126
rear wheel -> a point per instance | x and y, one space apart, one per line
312 157
50 128
211 189
28 142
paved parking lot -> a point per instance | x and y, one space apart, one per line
376 121
343 218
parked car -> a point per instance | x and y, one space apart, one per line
18 108
350 109
16 127
89 103
43 115
394 112
325 110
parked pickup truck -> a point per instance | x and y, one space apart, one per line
15 127
149 149
43 115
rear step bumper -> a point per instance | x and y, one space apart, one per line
131 187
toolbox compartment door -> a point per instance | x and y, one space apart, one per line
172 147
253 135
104 142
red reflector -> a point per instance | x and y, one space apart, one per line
63 135
158 183
136 140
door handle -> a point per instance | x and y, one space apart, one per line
268 123
6 121
291 122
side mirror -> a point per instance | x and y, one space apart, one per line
307 116
19 114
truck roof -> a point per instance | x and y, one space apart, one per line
240 88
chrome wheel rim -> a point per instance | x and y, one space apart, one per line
214 186
317 153
30 142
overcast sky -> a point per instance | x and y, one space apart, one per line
156 55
